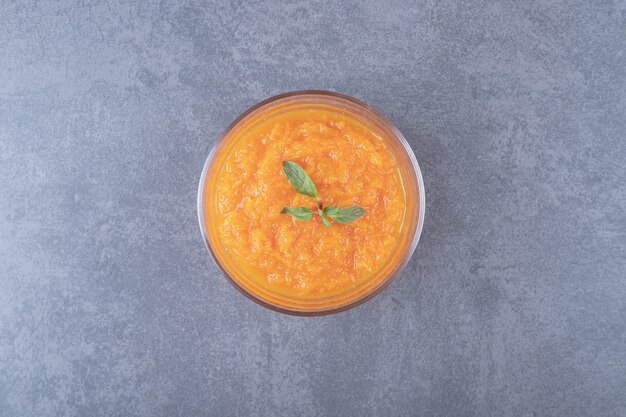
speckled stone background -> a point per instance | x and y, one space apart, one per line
513 305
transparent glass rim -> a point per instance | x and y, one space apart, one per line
387 280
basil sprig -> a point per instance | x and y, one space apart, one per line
302 183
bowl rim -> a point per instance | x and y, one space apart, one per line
386 281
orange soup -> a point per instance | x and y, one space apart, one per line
349 164
320 256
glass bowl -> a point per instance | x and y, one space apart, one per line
410 175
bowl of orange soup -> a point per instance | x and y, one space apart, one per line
296 251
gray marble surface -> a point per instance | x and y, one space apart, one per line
513 305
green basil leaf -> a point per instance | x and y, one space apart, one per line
300 213
347 214
331 210
325 222
299 179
